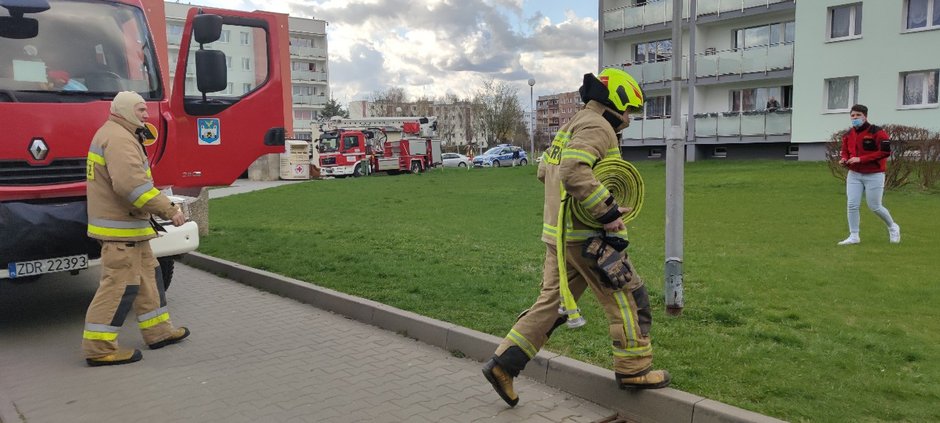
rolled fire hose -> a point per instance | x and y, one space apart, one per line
625 184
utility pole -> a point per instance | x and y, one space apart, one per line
532 121
675 175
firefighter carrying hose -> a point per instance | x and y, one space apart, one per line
592 257
121 200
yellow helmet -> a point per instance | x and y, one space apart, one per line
623 90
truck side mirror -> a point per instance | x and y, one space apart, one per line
207 28
211 71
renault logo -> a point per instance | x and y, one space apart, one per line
38 149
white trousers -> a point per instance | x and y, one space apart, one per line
873 185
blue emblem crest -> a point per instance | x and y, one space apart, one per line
209 131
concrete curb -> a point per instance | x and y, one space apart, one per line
569 375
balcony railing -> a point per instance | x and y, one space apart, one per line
715 64
653 13
660 12
717 7
310 100
744 61
742 124
307 51
755 124
303 75
653 72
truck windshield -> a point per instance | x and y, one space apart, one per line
329 143
83 50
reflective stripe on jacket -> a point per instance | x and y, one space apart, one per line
121 193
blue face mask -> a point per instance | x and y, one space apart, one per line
857 122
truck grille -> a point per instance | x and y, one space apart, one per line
21 173
329 160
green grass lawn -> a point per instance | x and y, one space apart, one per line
777 319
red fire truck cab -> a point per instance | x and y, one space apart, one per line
61 64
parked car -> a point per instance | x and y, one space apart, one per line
501 155
455 160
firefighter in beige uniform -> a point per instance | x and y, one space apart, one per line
121 199
566 168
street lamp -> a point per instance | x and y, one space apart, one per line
531 120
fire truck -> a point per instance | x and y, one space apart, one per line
358 147
61 64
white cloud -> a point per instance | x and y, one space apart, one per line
434 47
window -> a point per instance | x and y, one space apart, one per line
841 93
224 37
845 22
720 152
174 33
230 89
244 38
758 36
756 98
655 153
246 88
653 51
919 88
922 14
246 63
228 61
657 107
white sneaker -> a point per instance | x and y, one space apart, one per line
894 234
852 239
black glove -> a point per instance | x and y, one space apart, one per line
611 264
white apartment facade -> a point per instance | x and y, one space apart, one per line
878 53
815 57
246 69
743 55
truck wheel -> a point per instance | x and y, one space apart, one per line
166 267
495 163
359 171
415 167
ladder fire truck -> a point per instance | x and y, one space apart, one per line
61 64
358 147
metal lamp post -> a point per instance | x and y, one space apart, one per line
532 120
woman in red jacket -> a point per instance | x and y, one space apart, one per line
865 150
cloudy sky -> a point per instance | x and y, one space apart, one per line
435 47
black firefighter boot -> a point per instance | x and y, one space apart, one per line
501 381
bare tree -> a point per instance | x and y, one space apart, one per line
497 111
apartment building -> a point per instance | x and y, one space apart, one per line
875 52
815 58
742 53
551 113
455 123
246 69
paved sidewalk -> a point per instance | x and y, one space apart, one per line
253 357
241 186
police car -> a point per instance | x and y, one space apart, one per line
501 155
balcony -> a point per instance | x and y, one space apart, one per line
309 100
658 14
717 128
743 126
317 52
774 60
308 76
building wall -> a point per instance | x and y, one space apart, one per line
884 50
310 90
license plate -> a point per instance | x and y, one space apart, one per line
49 265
